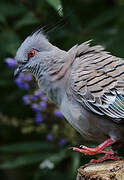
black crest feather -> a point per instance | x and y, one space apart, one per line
50 27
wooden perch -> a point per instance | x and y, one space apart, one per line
111 170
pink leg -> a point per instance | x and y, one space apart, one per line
99 149
106 157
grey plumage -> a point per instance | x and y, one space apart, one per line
86 82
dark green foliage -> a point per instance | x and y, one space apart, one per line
23 147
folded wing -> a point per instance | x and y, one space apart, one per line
97 81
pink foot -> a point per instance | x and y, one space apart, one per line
106 157
99 149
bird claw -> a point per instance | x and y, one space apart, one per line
81 146
91 151
99 149
71 148
106 157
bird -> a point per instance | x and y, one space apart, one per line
86 83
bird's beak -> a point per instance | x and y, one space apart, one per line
18 70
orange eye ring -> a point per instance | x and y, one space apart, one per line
32 53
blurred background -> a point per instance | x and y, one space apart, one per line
34 136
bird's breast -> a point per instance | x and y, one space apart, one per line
75 115
89 125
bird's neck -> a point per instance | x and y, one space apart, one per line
53 77
50 74
53 91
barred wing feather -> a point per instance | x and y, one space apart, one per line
97 80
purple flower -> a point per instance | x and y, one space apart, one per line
63 142
11 62
18 80
44 98
50 137
25 86
35 107
27 77
58 114
38 118
26 99
21 83
21 75
43 106
33 97
38 93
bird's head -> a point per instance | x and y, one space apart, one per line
29 54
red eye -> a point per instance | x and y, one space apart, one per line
32 53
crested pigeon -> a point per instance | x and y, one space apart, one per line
87 84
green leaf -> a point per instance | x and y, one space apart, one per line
105 17
11 9
9 43
2 19
48 174
57 5
24 160
75 161
56 158
28 147
53 160
34 158
27 19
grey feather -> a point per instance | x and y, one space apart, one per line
86 82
